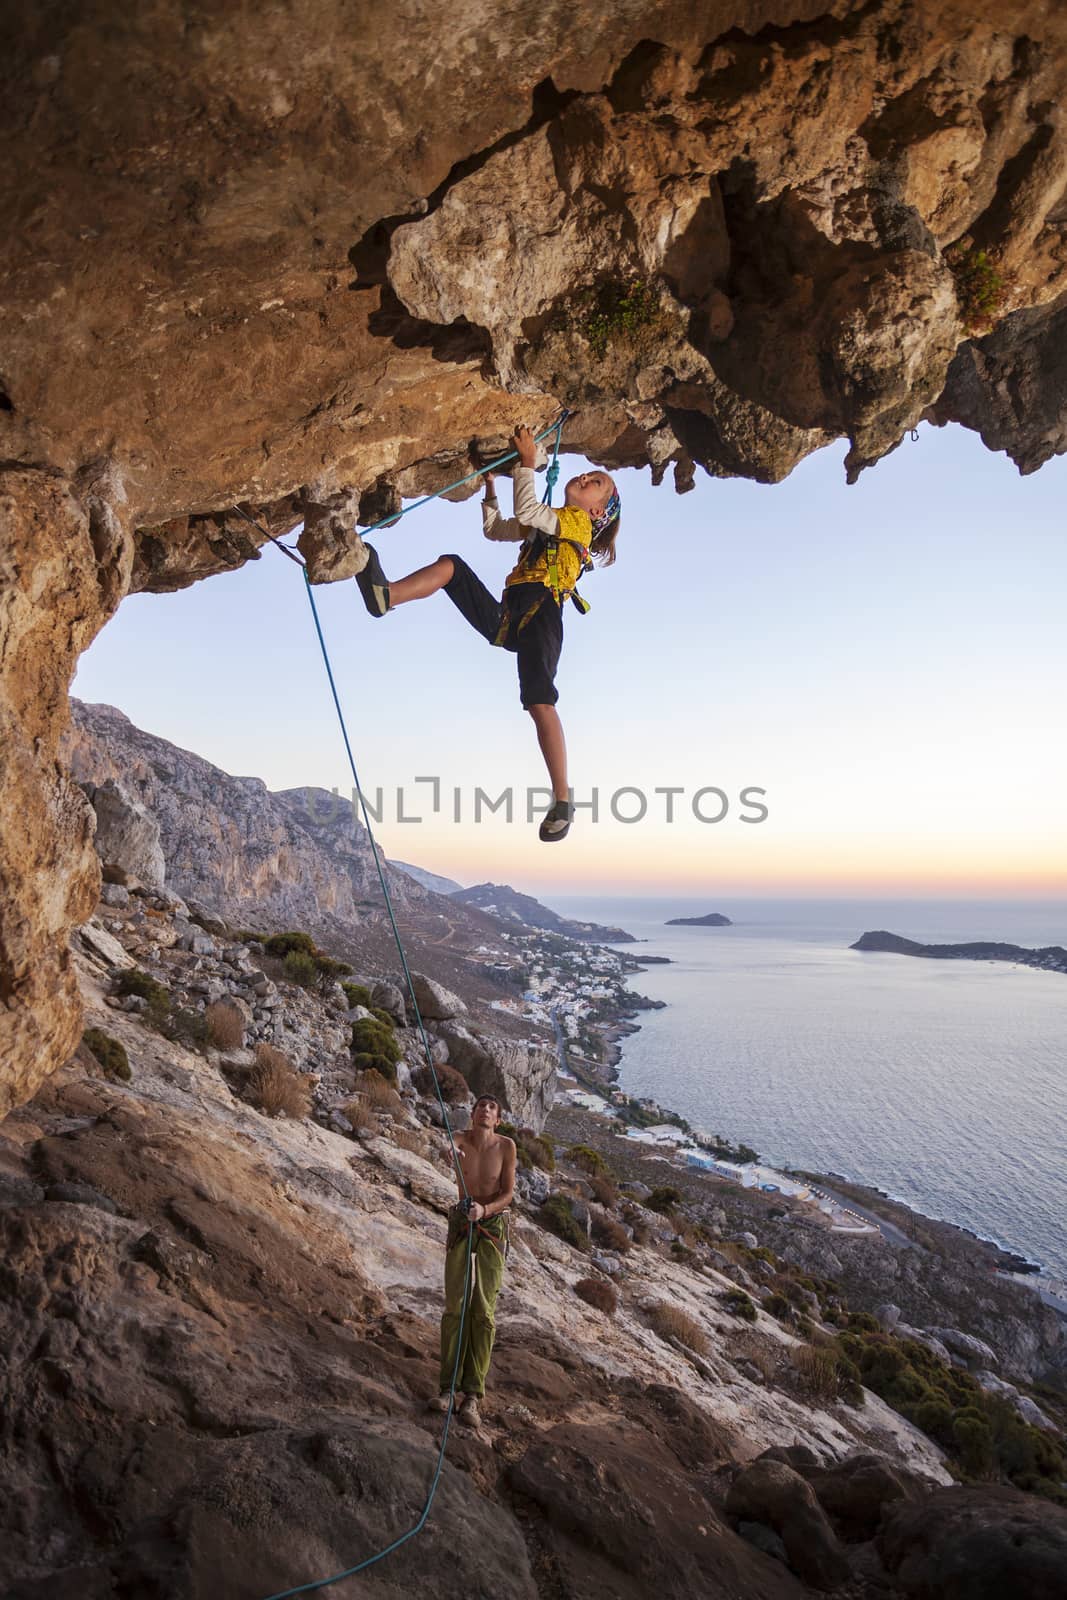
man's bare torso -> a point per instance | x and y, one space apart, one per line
482 1165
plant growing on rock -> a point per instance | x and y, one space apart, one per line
357 994
141 984
981 287
108 1052
739 1304
302 969
610 1233
282 944
612 312
374 1046
454 1087
663 1199
671 1322
275 1087
378 1091
818 1370
604 1188
599 1293
359 1116
557 1215
588 1159
225 1025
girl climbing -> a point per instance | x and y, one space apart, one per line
558 546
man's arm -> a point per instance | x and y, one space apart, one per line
506 1192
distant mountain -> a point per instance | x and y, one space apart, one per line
511 906
429 880
1051 957
714 919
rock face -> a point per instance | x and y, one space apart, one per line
977 1545
299 858
127 836
519 1074
254 270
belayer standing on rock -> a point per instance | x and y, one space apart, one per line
485 1176
559 544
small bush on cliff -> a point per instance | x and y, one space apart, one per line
588 1159
610 1233
557 1215
301 969
185 1026
615 311
981 287
818 1370
374 1046
671 1322
225 1025
357 994
454 1087
275 1087
109 1052
599 1293
378 1091
531 1149
663 1199
145 987
604 1189
739 1304
282 944
360 1117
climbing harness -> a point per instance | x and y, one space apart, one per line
473 1228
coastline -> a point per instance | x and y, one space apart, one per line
1008 1261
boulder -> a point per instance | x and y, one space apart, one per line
435 1002
888 1316
772 1493
977 1543
855 1492
103 945
388 997
749 1240
974 1352
127 836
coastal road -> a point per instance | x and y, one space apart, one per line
889 1230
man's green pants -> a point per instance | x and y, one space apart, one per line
479 1324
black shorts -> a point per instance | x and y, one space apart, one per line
537 643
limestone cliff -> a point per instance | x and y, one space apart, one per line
299 259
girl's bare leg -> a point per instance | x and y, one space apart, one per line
553 747
426 581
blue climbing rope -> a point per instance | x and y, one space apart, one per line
552 476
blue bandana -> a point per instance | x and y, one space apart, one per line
603 522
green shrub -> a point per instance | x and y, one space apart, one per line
663 1199
981 287
282 944
371 1037
557 1215
613 311
182 1025
367 1061
590 1160
779 1307
301 968
145 988
109 1052
740 1304
357 994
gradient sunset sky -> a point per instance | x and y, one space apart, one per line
888 662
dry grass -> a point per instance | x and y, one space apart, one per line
607 1231
408 1139
671 1322
598 1292
379 1094
604 1189
818 1370
225 1025
453 1085
275 1087
360 1116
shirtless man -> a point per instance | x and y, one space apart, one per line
487 1162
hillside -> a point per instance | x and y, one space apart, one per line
510 906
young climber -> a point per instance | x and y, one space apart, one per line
558 546
486 1159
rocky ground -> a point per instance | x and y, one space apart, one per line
219 1332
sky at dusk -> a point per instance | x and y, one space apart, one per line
887 662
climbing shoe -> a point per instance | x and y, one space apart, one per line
439 1402
372 585
556 823
470 1413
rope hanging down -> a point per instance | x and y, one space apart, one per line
417 1527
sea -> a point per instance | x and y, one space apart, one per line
942 1083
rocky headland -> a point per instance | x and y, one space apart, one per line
509 905
1050 958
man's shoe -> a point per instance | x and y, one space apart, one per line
556 823
470 1413
372 585
439 1402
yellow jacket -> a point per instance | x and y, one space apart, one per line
565 522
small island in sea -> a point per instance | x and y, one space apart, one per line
714 919
1051 958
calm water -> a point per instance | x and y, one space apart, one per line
943 1083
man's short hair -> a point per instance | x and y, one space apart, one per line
487 1099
